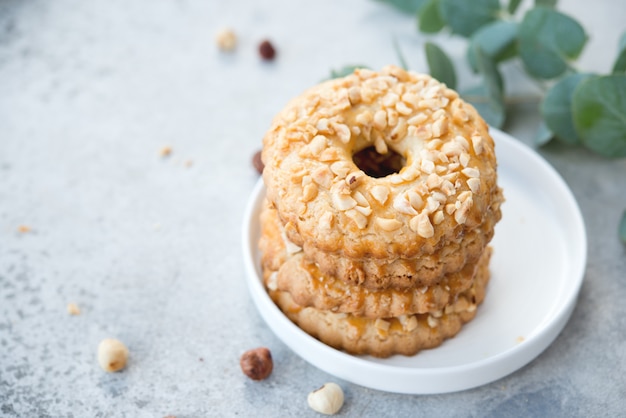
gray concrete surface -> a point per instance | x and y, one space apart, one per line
149 247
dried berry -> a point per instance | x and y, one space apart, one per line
267 51
257 364
257 162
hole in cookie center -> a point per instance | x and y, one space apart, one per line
378 165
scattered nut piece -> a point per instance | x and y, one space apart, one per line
257 364
257 162
267 51
326 400
166 151
226 40
23 229
73 309
112 355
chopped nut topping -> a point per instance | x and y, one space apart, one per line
365 210
438 217
322 176
390 99
343 132
330 154
323 125
415 200
448 188
440 127
381 146
360 199
478 143
432 322
463 142
340 168
464 159
272 281
354 94
343 202
380 119
471 172
380 193
364 118
357 217
381 324
399 131
460 216
402 205
431 204
417 119
421 224
392 117
354 179
403 109
433 181
326 221
474 185
427 166
388 224
309 192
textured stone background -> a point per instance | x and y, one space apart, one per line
149 248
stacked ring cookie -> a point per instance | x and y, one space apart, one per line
396 250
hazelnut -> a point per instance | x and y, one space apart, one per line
112 355
226 40
257 364
267 51
326 400
257 162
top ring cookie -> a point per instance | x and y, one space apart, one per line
444 188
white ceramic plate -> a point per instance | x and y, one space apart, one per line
538 264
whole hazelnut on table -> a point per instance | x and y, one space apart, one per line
257 364
326 400
226 40
112 355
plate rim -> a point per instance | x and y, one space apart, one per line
441 379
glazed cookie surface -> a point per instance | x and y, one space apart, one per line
444 189
309 287
383 337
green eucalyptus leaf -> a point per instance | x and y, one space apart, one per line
405 6
345 71
488 97
488 68
440 65
497 39
622 228
547 3
547 39
556 108
429 17
620 61
512 7
492 110
399 54
466 17
543 134
599 111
